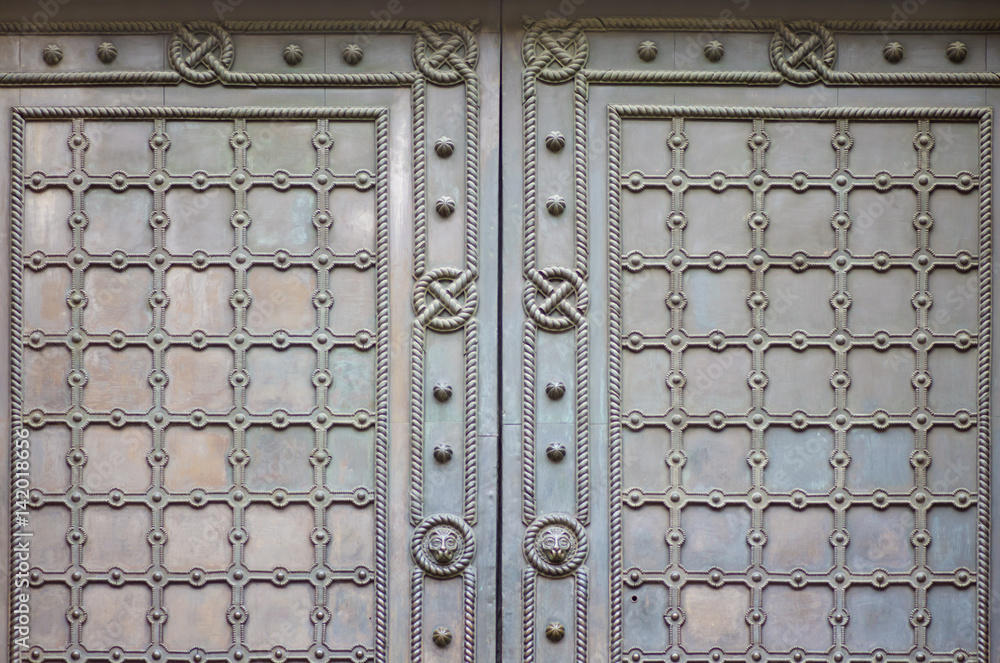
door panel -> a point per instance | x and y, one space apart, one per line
248 347
742 346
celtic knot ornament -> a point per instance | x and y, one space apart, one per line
555 544
446 52
436 298
547 299
201 52
443 545
555 51
803 51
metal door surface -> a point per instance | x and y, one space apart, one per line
704 377
250 325
754 347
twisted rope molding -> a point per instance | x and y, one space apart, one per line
984 359
16 324
765 24
382 388
594 24
615 465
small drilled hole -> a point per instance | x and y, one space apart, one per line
635 598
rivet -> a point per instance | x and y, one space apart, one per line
441 636
892 52
352 54
647 51
714 50
292 54
957 51
52 54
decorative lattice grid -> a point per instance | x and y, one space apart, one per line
684 582
324 418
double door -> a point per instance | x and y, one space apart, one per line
692 365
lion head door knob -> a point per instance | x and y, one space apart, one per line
443 544
557 544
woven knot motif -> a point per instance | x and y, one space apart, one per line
201 52
548 299
438 298
446 52
803 51
555 51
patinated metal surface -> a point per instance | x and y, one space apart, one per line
787 398
746 321
232 343
803 435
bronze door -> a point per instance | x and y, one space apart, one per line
719 391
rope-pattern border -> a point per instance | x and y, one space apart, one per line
985 373
615 380
382 388
596 24
16 325
985 118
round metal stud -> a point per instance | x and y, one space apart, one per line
957 51
442 453
647 51
445 206
555 631
442 391
892 52
556 205
556 451
714 50
352 54
444 147
52 54
107 52
555 390
555 141
293 54
441 636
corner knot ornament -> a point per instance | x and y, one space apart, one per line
803 51
555 51
201 52
548 298
438 298
443 545
446 52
